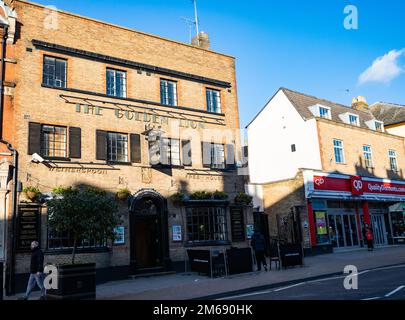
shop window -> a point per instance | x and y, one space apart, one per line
53 141
168 92
398 224
116 83
213 101
117 147
54 72
206 224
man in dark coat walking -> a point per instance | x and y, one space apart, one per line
36 271
258 244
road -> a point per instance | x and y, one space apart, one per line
386 283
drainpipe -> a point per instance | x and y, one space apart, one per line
15 163
3 49
10 287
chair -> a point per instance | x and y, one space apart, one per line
275 254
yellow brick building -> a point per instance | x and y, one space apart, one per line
95 104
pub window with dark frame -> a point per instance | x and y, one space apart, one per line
53 141
116 83
165 151
213 100
117 147
206 224
168 92
64 240
54 72
213 155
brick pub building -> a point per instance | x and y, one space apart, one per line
90 104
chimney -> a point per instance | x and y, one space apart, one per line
202 41
360 103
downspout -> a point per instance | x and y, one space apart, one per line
10 287
15 165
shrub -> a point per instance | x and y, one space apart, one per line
63 190
201 195
31 189
220 195
96 191
123 194
243 199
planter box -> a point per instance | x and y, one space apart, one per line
75 282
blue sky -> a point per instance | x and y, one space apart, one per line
302 45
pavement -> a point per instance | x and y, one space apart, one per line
186 286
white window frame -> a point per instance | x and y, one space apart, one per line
341 147
328 113
392 156
355 116
369 163
380 123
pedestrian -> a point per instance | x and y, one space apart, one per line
36 271
369 237
258 244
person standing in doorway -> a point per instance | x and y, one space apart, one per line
36 271
369 237
258 244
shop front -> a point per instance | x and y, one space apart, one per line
339 207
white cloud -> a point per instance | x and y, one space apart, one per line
384 69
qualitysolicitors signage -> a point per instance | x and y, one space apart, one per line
358 186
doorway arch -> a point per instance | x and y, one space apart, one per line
148 220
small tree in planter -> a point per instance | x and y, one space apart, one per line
243 199
32 193
85 215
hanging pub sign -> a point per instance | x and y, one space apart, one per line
28 227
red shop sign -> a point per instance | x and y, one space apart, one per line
357 186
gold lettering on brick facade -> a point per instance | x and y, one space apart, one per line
140 116
205 177
96 111
78 170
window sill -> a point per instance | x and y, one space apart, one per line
78 251
57 159
117 163
163 166
208 243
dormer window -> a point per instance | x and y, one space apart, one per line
376 125
350 118
321 111
324 112
379 126
354 120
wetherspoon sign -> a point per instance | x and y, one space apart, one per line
358 186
